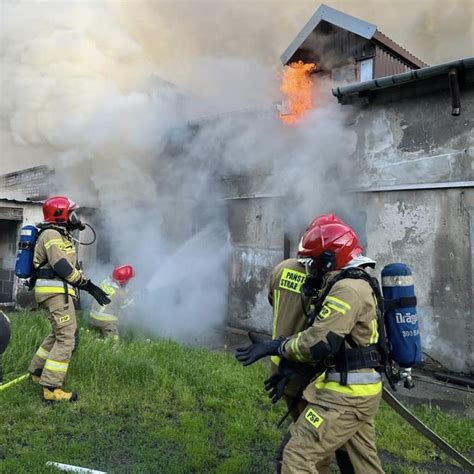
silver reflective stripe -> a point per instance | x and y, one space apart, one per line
401 280
44 282
355 378
58 283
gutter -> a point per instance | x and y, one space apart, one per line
414 187
404 77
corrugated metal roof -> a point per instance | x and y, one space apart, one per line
396 48
16 197
352 24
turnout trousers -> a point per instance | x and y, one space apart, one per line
296 407
320 431
107 328
53 356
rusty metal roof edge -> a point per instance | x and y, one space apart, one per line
402 78
400 51
20 201
335 17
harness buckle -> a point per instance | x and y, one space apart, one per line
329 361
374 356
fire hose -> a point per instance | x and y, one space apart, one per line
414 421
13 382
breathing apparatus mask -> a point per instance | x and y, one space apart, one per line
316 268
74 223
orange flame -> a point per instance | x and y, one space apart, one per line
297 87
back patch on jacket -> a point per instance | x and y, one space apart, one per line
292 280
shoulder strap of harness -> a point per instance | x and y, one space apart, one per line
356 353
32 281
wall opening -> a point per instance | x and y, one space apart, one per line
8 243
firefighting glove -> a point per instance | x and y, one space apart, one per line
259 349
275 386
288 370
97 293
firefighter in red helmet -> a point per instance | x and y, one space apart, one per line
337 342
106 319
56 282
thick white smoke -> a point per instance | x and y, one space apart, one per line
82 83
124 102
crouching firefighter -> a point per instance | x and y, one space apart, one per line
56 281
340 342
107 318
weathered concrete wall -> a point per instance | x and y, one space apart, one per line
408 143
429 230
256 236
415 142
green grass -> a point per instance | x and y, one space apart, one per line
157 406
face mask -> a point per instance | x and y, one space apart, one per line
74 223
312 284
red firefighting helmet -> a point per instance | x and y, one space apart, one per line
332 237
324 219
56 209
122 274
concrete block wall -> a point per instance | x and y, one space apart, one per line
256 237
411 201
419 162
430 231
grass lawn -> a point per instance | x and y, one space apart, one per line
160 407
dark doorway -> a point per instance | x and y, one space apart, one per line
8 239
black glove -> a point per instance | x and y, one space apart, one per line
289 370
258 349
97 293
275 386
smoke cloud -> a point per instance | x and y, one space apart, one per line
129 103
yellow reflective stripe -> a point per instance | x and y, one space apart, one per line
42 353
50 243
107 288
354 390
56 366
54 289
336 308
295 348
338 302
374 337
103 316
74 275
276 305
275 360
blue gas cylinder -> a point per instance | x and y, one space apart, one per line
401 319
26 248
